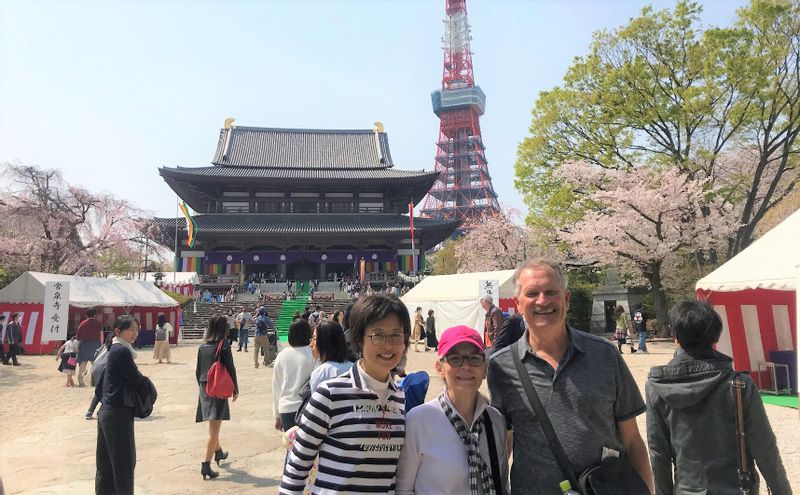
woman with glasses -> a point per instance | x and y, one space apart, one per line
355 422
456 443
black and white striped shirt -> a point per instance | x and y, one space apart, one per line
357 437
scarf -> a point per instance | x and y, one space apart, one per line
126 344
479 472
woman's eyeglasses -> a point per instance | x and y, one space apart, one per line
381 339
456 360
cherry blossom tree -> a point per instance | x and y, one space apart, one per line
51 226
641 220
497 243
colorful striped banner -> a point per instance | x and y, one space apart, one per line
220 269
192 264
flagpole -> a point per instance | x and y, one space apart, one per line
176 264
413 247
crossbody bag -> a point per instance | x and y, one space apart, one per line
611 476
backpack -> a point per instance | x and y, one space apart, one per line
261 325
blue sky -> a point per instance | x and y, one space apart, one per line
108 91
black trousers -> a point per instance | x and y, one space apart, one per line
116 451
11 355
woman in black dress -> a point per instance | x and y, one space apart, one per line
431 341
215 411
116 448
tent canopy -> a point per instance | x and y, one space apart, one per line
87 291
454 298
459 287
768 263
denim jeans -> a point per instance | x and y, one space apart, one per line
642 341
244 338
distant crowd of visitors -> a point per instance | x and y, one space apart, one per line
561 414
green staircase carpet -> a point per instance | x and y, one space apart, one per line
288 308
780 400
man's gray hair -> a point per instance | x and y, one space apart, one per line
531 264
488 300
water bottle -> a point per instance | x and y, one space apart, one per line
566 488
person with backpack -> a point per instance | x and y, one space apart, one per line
243 320
261 341
694 405
315 318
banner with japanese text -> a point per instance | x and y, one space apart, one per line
490 288
56 311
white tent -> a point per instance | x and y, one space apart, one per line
454 298
755 294
85 292
768 263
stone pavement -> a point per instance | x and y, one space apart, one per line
47 447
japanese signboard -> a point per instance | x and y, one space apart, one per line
490 288
56 311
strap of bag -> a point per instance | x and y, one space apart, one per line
539 413
219 350
737 385
495 464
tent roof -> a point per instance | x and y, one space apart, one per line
87 291
458 287
768 263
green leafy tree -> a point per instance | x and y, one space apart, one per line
662 92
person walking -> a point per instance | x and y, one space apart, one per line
640 327
163 332
329 349
243 323
90 338
116 446
211 409
493 321
355 423
622 327
457 440
692 428
419 328
12 338
261 339
291 371
68 355
431 341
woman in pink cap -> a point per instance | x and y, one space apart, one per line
456 443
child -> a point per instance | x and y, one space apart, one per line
355 423
68 354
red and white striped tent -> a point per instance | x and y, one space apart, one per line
755 293
112 298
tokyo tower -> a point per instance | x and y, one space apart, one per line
463 190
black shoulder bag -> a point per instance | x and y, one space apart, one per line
611 476
495 463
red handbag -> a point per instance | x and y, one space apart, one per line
220 383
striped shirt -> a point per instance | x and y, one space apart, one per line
357 437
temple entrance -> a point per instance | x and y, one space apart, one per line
302 270
266 273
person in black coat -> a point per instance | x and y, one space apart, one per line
116 447
511 331
13 337
211 409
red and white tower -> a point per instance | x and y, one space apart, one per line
464 188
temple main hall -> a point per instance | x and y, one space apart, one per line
301 204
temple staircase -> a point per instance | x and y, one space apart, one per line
288 308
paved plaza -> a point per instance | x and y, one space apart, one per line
47 447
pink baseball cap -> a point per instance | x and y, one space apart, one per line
458 334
